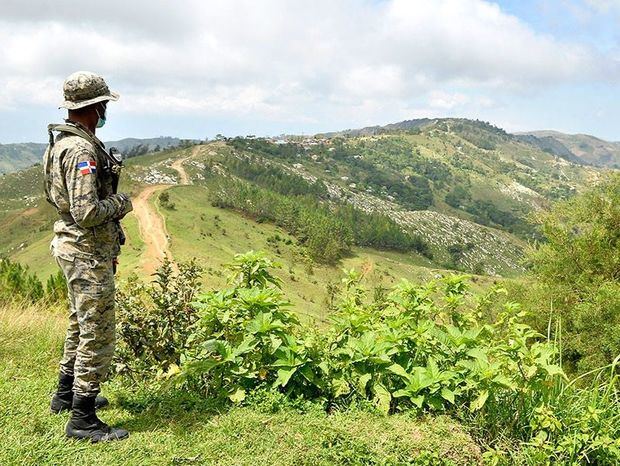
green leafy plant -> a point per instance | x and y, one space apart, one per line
154 321
415 348
18 282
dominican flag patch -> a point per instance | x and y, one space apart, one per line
87 167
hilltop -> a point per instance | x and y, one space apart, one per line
577 148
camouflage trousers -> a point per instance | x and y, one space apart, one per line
89 344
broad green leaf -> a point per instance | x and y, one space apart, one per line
341 387
418 400
479 402
401 393
398 370
237 396
447 394
308 374
479 354
245 346
382 398
504 381
552 370
284 375
275 343
363 381
419 379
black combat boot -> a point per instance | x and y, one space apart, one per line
84 423
63 398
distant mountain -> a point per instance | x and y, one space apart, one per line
134 146
14 157
579 148
373 130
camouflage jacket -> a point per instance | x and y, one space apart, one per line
80 187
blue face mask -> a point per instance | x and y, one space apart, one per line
101 120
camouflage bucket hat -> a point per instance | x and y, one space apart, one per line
84 88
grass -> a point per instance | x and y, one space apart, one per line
25 235
129 260
213 235
179 429
38 258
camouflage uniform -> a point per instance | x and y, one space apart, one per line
86 242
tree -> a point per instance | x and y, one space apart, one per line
578 272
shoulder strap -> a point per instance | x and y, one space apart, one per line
47 162
75 130
47 165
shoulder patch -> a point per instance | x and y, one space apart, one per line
87 167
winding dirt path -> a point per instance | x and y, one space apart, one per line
178 166
152 229
151 224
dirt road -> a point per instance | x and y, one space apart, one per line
152 229
178 166
151 224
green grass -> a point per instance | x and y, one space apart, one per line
179 429
25 235
38 257
129 260
213 235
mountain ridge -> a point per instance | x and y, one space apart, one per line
577 148
17 156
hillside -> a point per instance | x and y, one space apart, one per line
15 157
580 148
410 201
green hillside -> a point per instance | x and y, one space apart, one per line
18 156
581 148
411 200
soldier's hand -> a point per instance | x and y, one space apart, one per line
126 205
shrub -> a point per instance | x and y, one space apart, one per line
154 321
415 348
164 200
577 273
16 281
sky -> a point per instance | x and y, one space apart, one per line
196 68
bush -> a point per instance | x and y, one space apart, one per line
16 281
406 352
577 273
421 349
164 200
154 321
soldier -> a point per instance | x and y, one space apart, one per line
79 182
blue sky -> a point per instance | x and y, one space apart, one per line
194 69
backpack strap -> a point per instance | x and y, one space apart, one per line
47 162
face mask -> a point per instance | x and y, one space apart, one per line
101 120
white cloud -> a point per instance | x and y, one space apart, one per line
283 59
444 100
604 5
